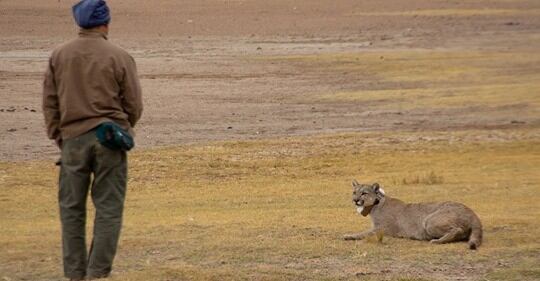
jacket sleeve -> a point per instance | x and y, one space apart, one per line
130 92
50 106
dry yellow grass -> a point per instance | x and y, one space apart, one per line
276 209
435 79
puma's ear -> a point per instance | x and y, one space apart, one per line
377 188
355 183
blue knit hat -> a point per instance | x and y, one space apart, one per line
91 13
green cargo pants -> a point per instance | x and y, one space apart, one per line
85 161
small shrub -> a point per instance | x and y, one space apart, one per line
426 178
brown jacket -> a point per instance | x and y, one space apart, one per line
90 81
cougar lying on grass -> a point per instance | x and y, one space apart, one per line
442 222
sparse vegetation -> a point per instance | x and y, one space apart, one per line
428 178
445 93
435 79
276 210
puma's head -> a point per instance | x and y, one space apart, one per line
366 196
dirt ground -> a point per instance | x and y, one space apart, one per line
209 71
461 74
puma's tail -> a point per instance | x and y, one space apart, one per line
475 239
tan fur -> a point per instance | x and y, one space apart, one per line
442 222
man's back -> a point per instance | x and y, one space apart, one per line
94 82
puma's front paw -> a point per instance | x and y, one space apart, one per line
352 237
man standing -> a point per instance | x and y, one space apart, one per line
88 82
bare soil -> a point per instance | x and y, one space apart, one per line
237 70
208 74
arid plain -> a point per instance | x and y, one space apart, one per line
258 114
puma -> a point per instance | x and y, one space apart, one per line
439 223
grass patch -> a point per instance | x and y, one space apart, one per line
276 209
433 79
454 97
428 178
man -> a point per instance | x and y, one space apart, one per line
88 82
